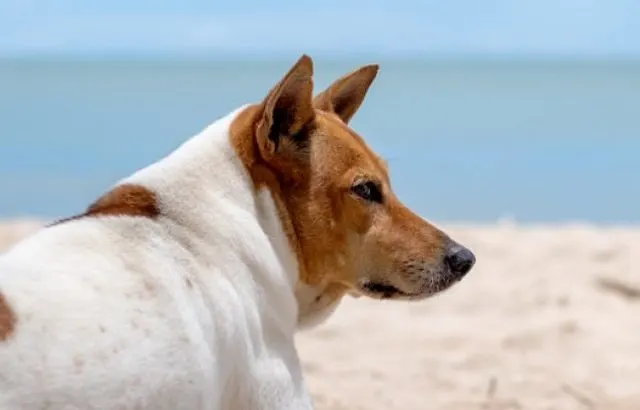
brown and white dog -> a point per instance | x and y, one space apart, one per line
183 286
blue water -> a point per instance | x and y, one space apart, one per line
466 141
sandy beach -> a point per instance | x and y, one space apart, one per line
548 319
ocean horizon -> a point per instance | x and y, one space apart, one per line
474 140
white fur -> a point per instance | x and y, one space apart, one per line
193 310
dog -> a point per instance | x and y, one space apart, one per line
183 286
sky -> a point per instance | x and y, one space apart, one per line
439 27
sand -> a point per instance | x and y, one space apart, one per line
548 319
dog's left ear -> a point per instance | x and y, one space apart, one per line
346 94
286 110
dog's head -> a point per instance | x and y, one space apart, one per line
349 230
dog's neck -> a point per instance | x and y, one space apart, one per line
198 180
204 187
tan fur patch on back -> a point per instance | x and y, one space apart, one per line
126 200
7 319
123 200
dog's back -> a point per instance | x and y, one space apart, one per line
172 291
83 301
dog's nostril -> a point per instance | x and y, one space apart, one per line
460 260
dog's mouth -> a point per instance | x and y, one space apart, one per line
380 290
384 290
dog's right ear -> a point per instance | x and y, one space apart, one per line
346 94
286 110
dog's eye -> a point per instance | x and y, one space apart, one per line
368 190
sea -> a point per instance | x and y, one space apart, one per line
467 140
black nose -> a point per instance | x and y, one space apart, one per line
460 260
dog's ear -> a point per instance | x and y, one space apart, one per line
286 110
346 94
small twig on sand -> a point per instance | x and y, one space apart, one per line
492 388
579 397
620 288
492 403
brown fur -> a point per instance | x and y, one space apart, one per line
128 200
310 166
123 200
7 319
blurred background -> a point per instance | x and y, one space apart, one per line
485 110
488 112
